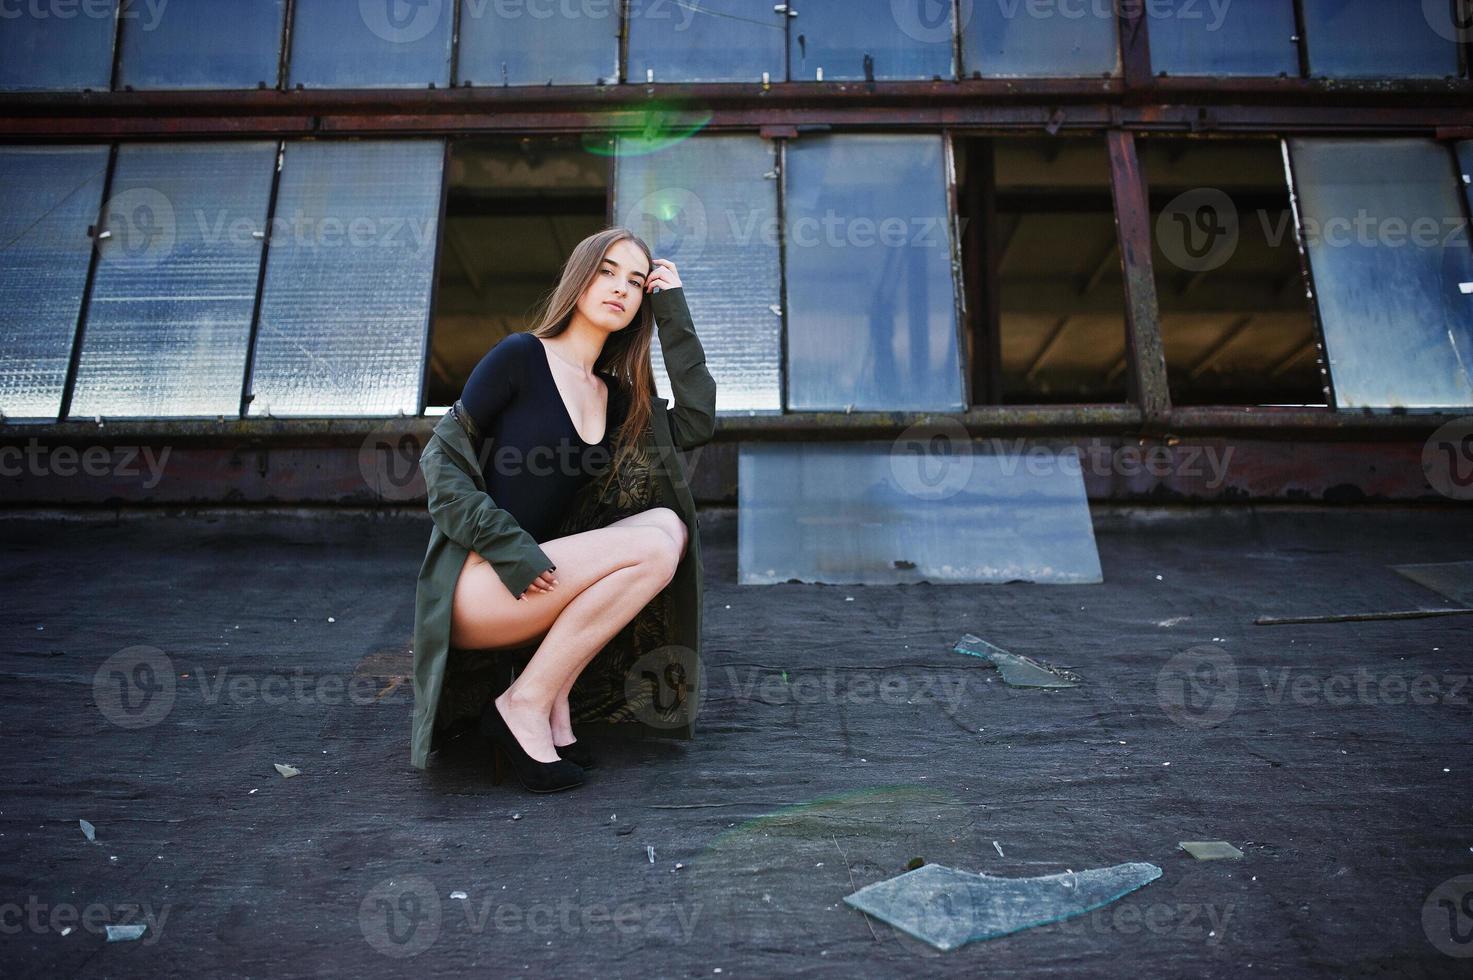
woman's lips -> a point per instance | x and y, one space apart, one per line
609 302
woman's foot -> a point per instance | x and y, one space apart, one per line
530 726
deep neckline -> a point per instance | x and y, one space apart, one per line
608 395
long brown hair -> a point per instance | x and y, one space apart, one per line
626 353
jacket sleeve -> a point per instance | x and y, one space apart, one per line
470 518
693 419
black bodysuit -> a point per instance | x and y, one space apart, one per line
530 454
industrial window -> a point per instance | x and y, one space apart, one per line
370 44
204 44
514 207
538 44
179 255
1026 38
871 299
710 205
1386 230
346 300
44 52
1371 38
1235 317
901 512
709 41
870 39
1242 37
1042 262
49 197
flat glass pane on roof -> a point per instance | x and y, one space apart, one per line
892 40
709 204
1028 38
1380 38
40 51
539 43
203 44
709 41
876 513
169 320
346 302
371 43
872 319
49 196
1389 252
1243 37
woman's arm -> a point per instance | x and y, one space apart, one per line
693 418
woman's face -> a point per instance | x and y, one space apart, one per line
612 299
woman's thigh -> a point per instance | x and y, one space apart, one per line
485 615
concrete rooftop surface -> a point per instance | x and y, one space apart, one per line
839 738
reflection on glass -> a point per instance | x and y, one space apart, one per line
49 196
886 513
169 320
538 44
1244 37
709 41
870 39
709 204
1389 252
872 319
205 44
371 43
57 53
346 301
1370 38
1040 39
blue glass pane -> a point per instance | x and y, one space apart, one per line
872 320
202 45
710 41
49 196
931 506
1022 37
40 51
1243 37
170 316
371 43
1389 252
1370 38
709 204
346 303
859 39
514 43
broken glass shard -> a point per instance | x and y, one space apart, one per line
1017 670
1210 850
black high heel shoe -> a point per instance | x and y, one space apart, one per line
538 777
576 753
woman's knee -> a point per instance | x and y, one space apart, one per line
670 522
657 552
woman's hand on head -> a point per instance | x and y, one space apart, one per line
664 275
545 582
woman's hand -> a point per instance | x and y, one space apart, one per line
662 274
545 582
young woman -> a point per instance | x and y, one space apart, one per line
546 413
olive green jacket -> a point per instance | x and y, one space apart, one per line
466 518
